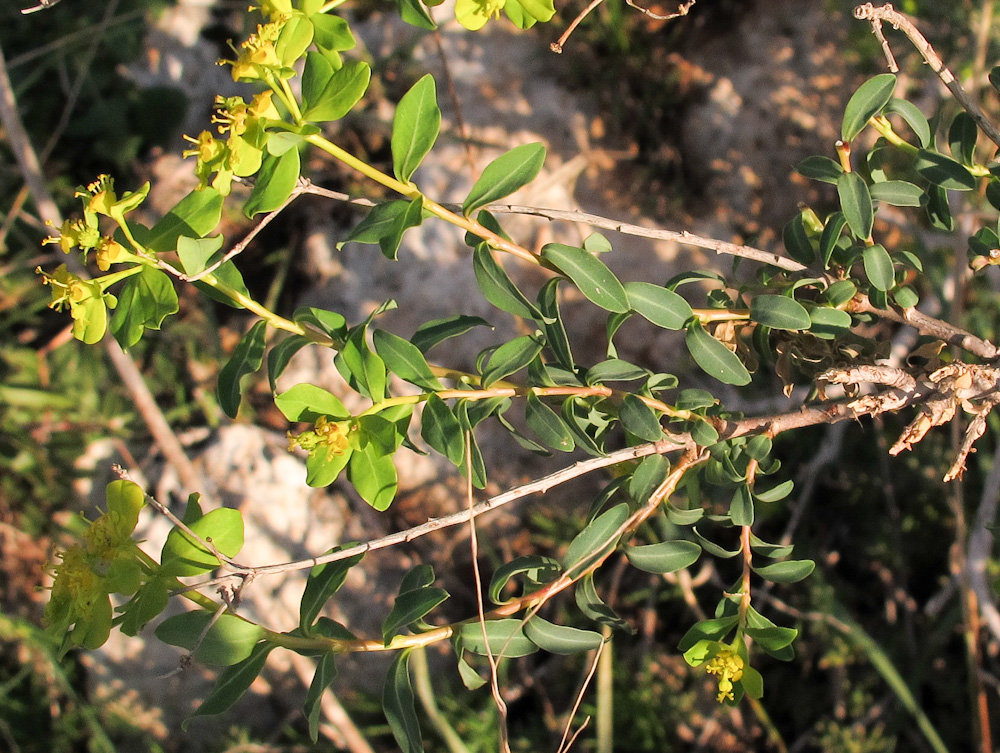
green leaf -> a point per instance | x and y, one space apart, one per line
374 476
868 100
233 682
943 171
779 312
145 300
399 705
615 370
326 673
962 136
559 639
511 357
647 477
275 182
410 607
195 253
913 117
714 358
386 223
147 604
741 507
229 641
415 127
662 307
552 322
640 420
695 399
279 356
246 359
753 683
938 210
322 584
537 569
789 571
342 92
505 638
704 434
769 550
820 168
835 225
712 548
437 331
899 193
665 557
307 402
905 297
363 369
759 447
296 35
330 323
182 555
497 287
194 216
596 538
590 275
856 203
772 638
547 424
323 467
712 630
797 242
590 603
878 267
316 74
504 175
414 12
441 430
405 360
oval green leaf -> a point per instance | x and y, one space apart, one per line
856 203
229 641
275 182
590 275
596 538
497 287
943 171
665 557
343 90
820 168
789 571
415 127
899 193
399 705
505 638
374 476
640 420
246 359
511 357
559 639
779 312
548 425
504 175
662 307
233 682
405 360
714 358
878 267
868 100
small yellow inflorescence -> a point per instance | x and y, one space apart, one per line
728 666
329 434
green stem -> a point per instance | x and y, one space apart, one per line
278 322
410 191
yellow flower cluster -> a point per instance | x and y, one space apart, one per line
728 666
107 562
331 435
242 152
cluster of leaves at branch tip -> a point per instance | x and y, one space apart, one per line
800 323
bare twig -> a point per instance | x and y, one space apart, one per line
980 546
557 46
682 10
456 104
567 739
928 325
682 236
868 12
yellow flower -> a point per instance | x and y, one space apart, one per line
473 14
107 562
329 436
75 233
256 56
728 666
110 252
